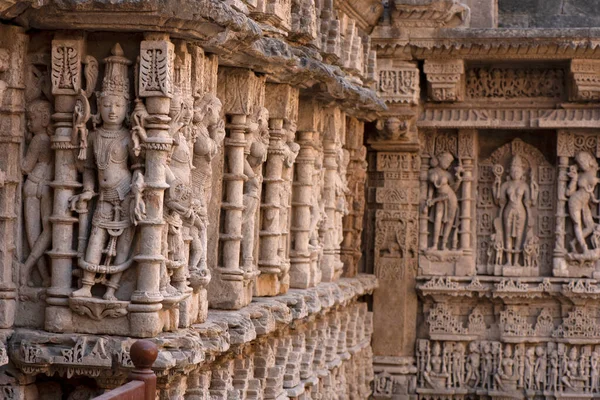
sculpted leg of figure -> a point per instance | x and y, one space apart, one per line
451 209
123 250
437 223
93 255
575 211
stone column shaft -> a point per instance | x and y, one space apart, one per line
330 164
269 262
65 182
301 276
146 299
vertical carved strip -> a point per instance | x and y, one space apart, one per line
232 288
12 68
269 262
467 142
155 84
66 82
303 272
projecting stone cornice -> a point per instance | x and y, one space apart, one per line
509 118
460 43
220 29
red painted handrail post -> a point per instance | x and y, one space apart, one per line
143 353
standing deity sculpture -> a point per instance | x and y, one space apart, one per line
580 193
38 164
256 154
458 365
111 164
473 365
208 136
540 368
553 375
516 198
528 370
441 196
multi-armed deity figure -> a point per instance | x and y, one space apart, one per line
256 155
109 162
581 192
516 198
441 194
38 164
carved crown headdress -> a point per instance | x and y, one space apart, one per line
116 80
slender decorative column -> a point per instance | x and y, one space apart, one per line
564 149
66 63
156 58
356 176
466 153
279 99
331 149
13 47
231 287
302 276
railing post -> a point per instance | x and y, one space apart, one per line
143 353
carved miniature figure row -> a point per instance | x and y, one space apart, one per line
495 368
139 188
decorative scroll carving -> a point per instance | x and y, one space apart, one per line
514 83
434 13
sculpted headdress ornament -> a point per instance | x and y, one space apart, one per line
116 80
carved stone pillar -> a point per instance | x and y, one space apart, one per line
66 59
291 379
564 151
331 266
302 273
279 100
13 47
155 51
232 286
355 197
398 164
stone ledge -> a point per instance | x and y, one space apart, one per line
37 352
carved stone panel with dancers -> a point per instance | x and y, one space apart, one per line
515 211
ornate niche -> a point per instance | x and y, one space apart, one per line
515 211
446 231
577 249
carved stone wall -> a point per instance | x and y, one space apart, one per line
483 203
190 173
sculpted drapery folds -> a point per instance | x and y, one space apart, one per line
113 170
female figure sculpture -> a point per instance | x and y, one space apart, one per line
256 155
580 193
38 164
515 198
208 135
119 206
441 193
